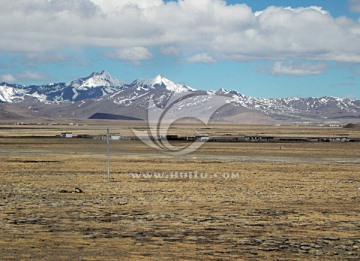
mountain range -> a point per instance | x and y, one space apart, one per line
101 96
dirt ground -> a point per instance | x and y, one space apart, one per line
226 201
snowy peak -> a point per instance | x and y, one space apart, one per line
169 85
229 93
159 79
96 79
162 82
222 91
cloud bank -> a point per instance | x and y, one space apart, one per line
23 76
298 69
202 31
132 54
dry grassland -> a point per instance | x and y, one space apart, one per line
299 202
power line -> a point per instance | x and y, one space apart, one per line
108 152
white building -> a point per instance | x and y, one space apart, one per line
66 135
115 136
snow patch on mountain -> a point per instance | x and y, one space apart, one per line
129 99
76 94
7 93
10 94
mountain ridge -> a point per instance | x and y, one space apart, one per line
101 93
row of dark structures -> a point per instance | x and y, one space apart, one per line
259 138
245 138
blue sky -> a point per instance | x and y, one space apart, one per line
259 48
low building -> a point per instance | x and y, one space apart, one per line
339 139
202 137
115 136
258 138
66 135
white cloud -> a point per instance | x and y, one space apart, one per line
30 76
354 5
22 76
298 68
7 78
132 54
33 58
222 31
201 58
108 6
170 51
302 9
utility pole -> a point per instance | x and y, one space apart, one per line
108 152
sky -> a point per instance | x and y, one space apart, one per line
256 47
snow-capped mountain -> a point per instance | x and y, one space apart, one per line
325 108
102 79
102 93
161 82
92 87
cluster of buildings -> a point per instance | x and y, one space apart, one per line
112 136
205 137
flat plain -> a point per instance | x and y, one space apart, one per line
225 201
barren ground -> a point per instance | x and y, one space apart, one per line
298 202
